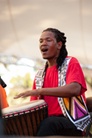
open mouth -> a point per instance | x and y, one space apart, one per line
44 49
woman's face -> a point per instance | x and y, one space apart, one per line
49 47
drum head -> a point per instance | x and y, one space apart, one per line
23 107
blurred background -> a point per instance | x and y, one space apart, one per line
21 23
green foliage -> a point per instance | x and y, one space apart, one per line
20 81
20 84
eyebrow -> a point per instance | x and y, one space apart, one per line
45 38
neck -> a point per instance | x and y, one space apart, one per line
51 62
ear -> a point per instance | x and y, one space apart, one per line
59 45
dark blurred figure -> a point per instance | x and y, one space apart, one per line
3 104
3 96
1 123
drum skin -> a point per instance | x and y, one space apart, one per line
24 120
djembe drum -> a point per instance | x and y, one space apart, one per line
23 120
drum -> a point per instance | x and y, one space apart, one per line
23 120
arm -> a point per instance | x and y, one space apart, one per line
69 90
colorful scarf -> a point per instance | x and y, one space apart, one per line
73 108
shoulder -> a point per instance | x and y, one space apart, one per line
72 59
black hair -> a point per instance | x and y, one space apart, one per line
60 36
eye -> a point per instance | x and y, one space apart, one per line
40 41
49 40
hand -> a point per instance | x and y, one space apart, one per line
27 93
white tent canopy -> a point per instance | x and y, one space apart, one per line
22 21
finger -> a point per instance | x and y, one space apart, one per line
17 96
24 95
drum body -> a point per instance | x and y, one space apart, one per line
23 120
